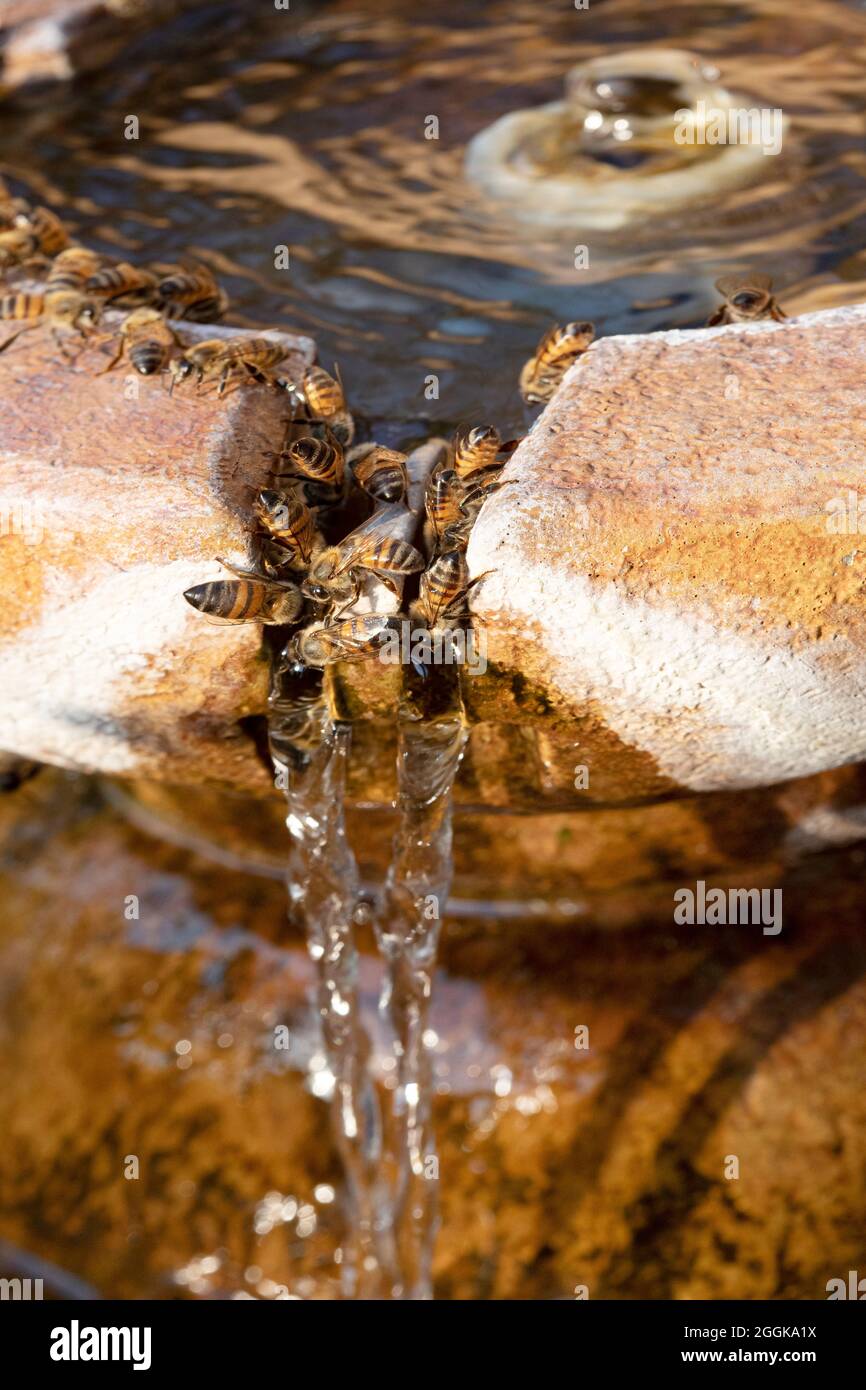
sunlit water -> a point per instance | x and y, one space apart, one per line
306 128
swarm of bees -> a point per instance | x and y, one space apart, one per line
79 284
309 582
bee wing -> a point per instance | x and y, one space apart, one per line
729 285
356 542
256 576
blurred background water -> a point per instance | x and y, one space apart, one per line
305 128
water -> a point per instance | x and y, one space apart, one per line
323 896
390 1231
306 129
416 890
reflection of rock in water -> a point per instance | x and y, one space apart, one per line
619 147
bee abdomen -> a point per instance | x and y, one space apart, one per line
395 557
232 600
322 393
50 234
147 357
317 459
21 306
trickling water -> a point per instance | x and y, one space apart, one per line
323 892
416 890
392 1196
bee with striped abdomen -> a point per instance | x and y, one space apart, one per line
22 306
146 339
248 598
67 309
71 269
558 350
443 590
443 503
317 461
748 298
476 449
122 284
337 572
217 358
192 294
382 474
32 234
289 522
322 396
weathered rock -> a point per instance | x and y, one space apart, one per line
670 572
115 497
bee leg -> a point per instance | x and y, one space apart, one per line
389 583
114 361
58 343
10 341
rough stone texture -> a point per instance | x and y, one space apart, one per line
115 497
664 575
558 1167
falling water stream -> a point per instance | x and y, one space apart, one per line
391 1227
416 889
323 894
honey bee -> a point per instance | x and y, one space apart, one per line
475 449
71 270
353 639
192 294
60 309
30 233
748 297
17 244
248 598
382 474
22 306
337 572
289 522
218 358
33 234
318 461
322 394
444 589
122 282
147 340
443 501
557 351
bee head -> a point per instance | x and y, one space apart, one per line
751 301
180 369
317 592
482 434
